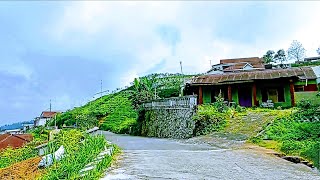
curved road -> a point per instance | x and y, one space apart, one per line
153 158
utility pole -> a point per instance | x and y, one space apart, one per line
50 105
210 63
181 67
101 91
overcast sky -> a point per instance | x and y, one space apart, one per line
62 50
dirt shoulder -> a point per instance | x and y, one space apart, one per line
27 169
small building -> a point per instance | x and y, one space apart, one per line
27 127
44 117
312 59
13 131
254 88
14 140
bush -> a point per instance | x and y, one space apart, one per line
298 134
304 104
208 119
10 156
77 154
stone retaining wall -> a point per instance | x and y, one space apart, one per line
168 122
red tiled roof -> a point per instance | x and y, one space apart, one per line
251 60
48 114
239 63
302 73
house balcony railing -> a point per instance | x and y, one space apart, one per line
174 102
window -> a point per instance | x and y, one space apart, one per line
274 94
298 88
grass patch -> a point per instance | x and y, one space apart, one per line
106 162
10 156
294 134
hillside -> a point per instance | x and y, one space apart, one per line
117 112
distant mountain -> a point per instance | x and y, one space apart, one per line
15 125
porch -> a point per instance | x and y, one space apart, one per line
280 92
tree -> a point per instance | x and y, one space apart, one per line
268 57
318 51
296 51
280 56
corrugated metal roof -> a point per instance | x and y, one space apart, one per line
301 73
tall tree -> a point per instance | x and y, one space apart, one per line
318 51
280 56
296 51
268 57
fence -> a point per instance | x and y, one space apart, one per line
175 102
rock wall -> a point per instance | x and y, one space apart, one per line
168 122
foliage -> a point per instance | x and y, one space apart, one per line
300 64
10 156
102 165
111 112
208 119
280 56
78 154
39 134
269 57
296 51
297 134
304 104
307 99
155 86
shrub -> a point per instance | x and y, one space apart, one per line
305 104
77 154
10 156
298 133
208 119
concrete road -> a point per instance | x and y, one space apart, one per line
153 158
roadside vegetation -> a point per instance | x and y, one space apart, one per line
9 156
211 117
80 149
294 134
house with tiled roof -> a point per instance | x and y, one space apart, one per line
44 117
246 81
237 65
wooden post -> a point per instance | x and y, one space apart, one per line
254 92
292 93
200 95
229 93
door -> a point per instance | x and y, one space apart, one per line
245 96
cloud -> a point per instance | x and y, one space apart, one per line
189 32
62 52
